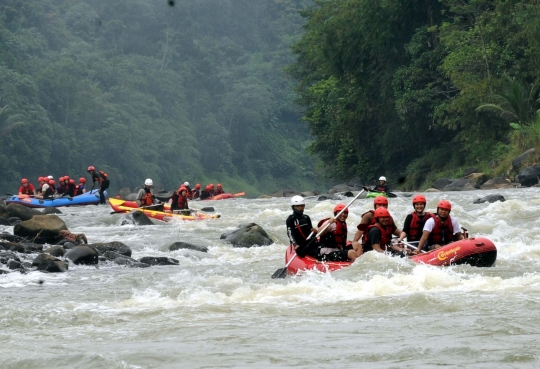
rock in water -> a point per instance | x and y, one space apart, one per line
247 235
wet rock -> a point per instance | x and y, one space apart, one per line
469 171
5 221
339 188
153 260
460 185
123 192
3 212
14 264
57 251
285 193
529 176
135 218
441 183
82 255
115 246
42 229
51 210
22 212
12 238
13 246
5 256
68 245
247 235
48 263
496 183
187 246
432 190
309 193
348 194
30 248
518 162
490 199
323 198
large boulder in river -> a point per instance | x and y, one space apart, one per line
285 193
490 199
187 246
82 255
529 176
48 263
115 246
21 211
3 212
159 260
520 160
339 188
247 235
496 183
42 229
460 185
441 183
135 218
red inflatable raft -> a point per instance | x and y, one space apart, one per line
478 252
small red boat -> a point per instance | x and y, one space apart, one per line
478 252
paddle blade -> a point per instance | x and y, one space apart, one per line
208 209
239 194
280 273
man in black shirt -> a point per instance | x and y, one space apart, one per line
299 229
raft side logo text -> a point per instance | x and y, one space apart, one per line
443 255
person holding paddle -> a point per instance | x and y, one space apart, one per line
382 187
414 222
145 196
27 188
299 228
179 201
334 238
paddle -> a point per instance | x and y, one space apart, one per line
156 207
412 246
282 272
239 194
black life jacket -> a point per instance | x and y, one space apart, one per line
443 231
417 226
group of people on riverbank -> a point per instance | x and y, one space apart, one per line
423 230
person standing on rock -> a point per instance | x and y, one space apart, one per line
299 227
441 229
103 179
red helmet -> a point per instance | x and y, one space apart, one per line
66 177
198 185
380 200
182 188
40 179
211 185
24 180
208 187
419 198
444 204
61 179
52 182
82 180
219 185
340 207
72 181
381 212
91 167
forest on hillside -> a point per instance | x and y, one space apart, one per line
191 92
417 89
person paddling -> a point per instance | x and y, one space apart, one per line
145 196
180 201
27 188
205 194
368 218
299 227
441 229
382 187
414 222
333 240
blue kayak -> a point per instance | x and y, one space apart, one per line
89 198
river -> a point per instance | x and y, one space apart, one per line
222 309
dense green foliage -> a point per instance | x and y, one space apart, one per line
418 87
196 92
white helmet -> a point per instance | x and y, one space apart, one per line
297 200
50 177
148 182
186 183
382 178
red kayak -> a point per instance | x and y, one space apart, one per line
225 196
478 252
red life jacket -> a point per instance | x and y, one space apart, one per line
337 238
373 220
219 191
380 188
195 194
147 199
386 234
27 190
443 231
102 176
79 190
417 226
182 202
